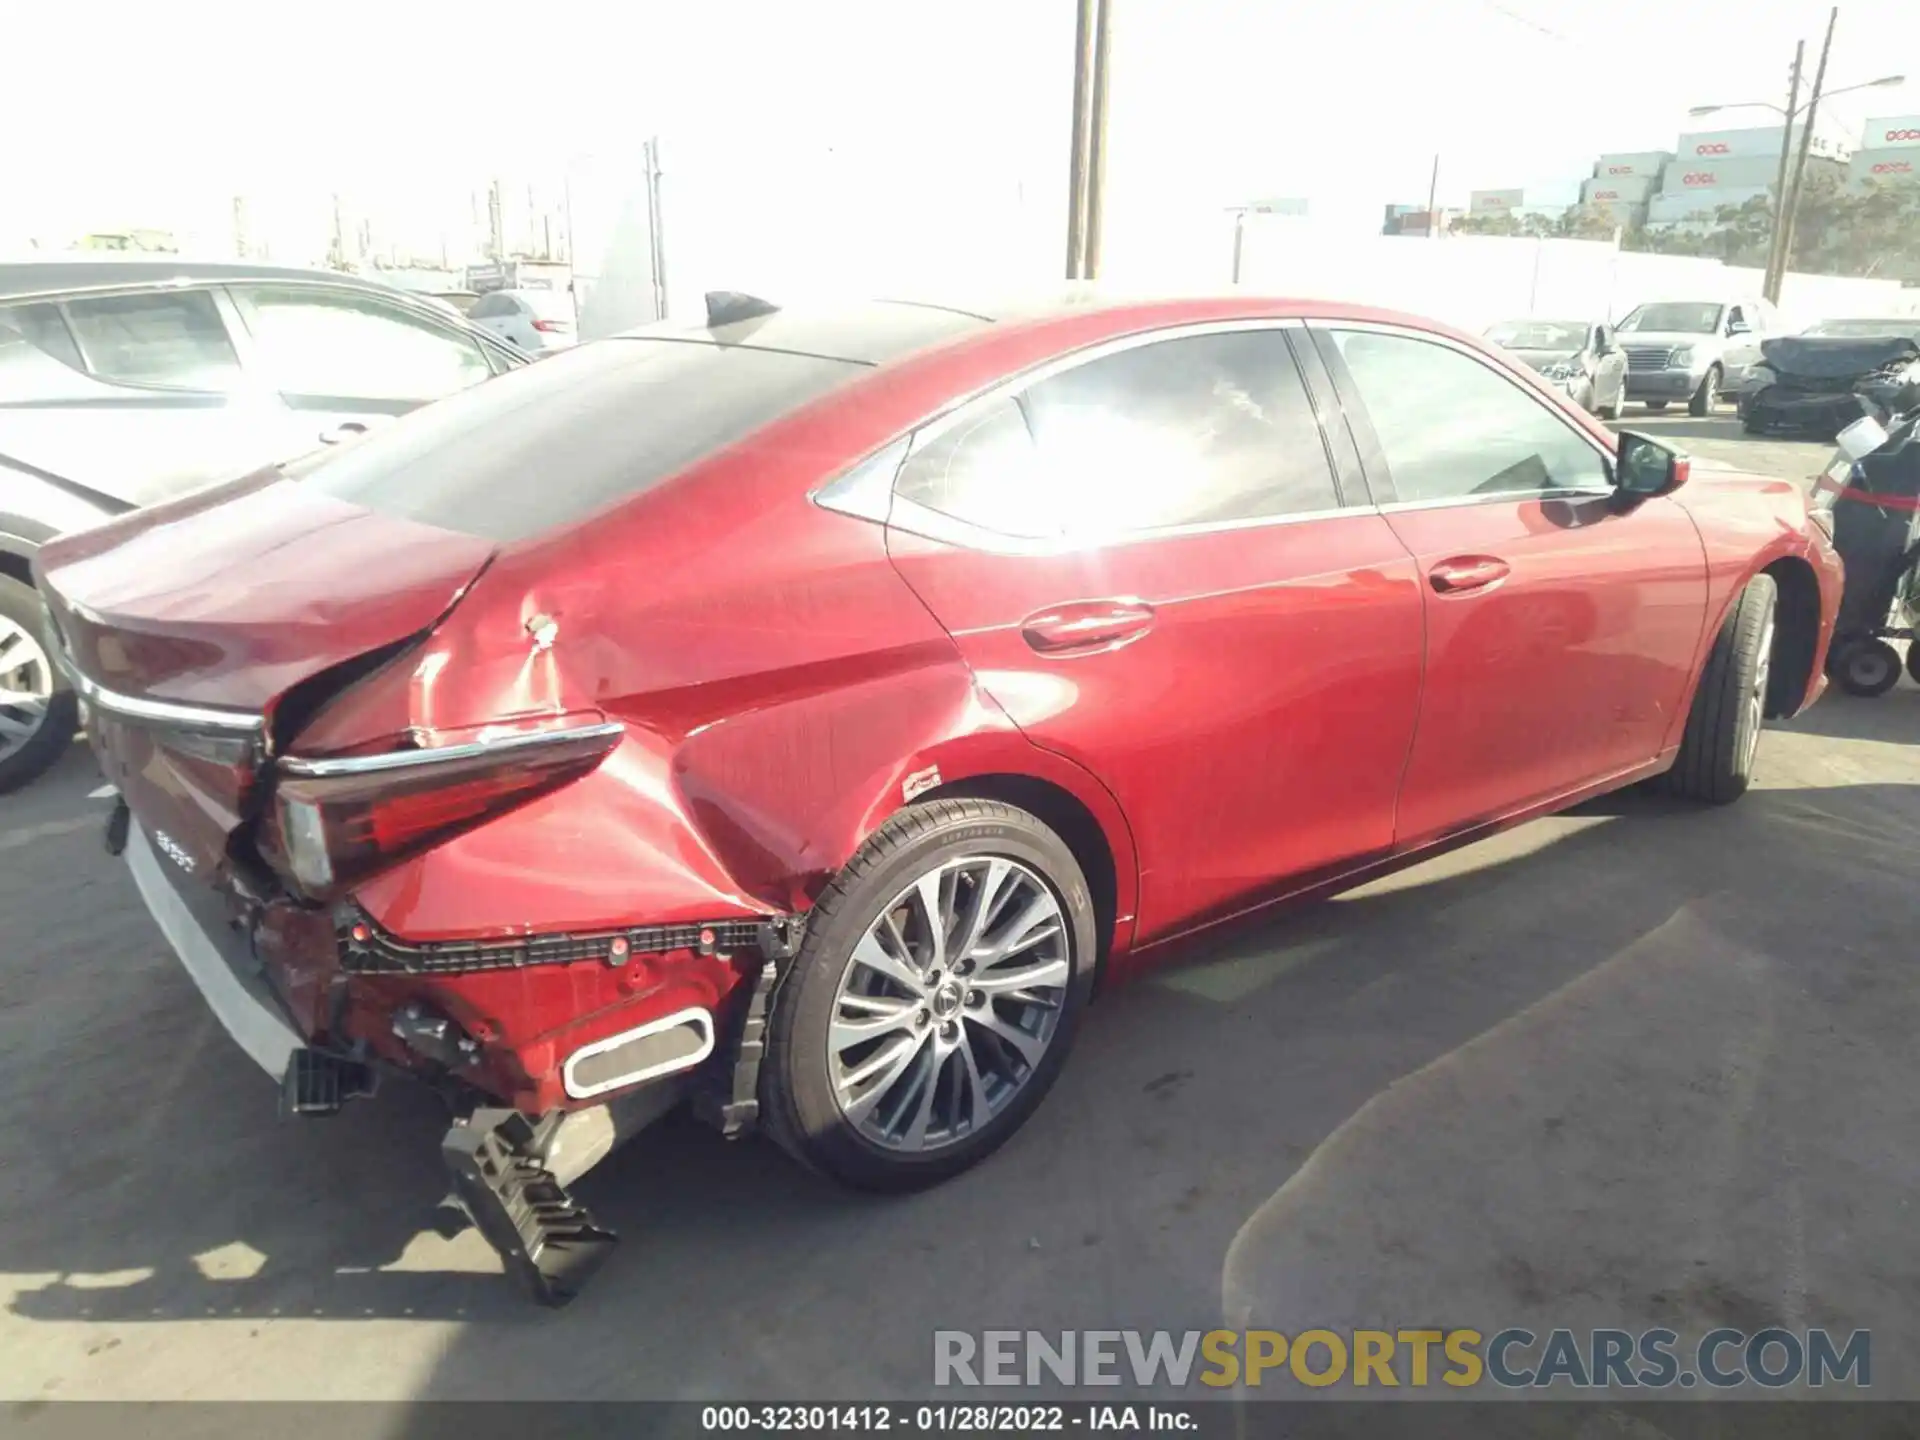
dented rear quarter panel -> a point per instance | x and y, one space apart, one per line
781 685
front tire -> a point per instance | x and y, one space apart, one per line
38 712
1717 750
1619 405
1708 395
934 998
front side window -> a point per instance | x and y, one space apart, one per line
1452 428
357 347
173 339
1192 430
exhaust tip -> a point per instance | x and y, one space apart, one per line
660 1047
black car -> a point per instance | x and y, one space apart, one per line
1820 382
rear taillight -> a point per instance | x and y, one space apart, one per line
337 822
552 327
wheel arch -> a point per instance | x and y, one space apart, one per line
1062 812
1796 639
1069 799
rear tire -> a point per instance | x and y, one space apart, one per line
1913 660
964 1044
1867 667
1717 750
34 731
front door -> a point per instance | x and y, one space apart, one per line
1560 628
1146 561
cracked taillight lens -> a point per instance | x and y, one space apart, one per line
335 823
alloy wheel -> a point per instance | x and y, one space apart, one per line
26 687
948 1003
1757 694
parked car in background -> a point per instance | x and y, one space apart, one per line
1694 350
538 321
1581 357
1821 381
973 661
131 380
37 708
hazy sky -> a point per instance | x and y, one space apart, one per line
164 110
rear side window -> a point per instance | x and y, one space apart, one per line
549 444
174 339
489 307
1193 430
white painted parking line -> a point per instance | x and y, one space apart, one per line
105 792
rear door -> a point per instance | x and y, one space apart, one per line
140 395
1147 559
1560 629
343 361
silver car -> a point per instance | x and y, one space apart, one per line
1580 357
126 381
1694 350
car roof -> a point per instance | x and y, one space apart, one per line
20 278
875 332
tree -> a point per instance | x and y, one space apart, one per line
1870 233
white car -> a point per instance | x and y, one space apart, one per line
538 321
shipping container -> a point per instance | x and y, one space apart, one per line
1699 204
1628 190
1495 202
1828 140
1641 165
1892 132
1740 172
1883 167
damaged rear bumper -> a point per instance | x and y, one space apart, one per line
509 1168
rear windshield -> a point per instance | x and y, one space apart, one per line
551 443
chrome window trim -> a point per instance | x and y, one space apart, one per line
158 712
387 760
918 519
1494 367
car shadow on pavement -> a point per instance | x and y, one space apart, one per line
147 1178
1892 718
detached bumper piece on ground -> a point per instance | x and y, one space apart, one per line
549 1242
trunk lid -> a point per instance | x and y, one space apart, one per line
187 625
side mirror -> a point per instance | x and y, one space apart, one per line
1739 327
1645 468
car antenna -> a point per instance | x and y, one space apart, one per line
730 307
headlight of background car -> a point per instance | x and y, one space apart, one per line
1681 358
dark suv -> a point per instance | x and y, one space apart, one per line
128 381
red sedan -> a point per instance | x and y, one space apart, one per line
807 711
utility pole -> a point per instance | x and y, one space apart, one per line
1086 16
656 237
1433 198
1097 139
1792 206
1770 286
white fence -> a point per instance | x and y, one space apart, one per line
1474 281
786 222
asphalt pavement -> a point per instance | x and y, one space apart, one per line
1639 1065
